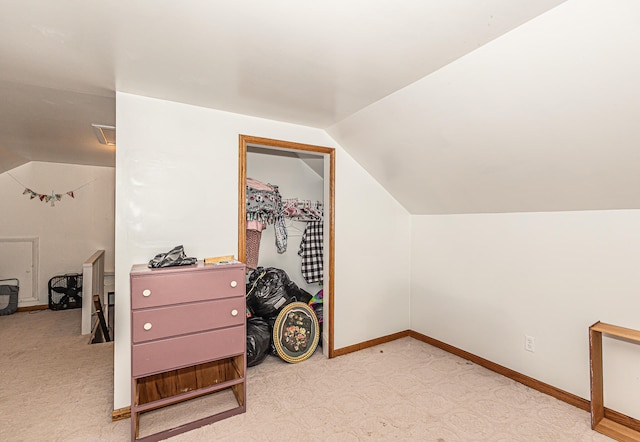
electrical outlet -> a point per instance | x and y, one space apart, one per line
530 343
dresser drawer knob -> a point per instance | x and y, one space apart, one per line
234 283
147 326
146 292
234 312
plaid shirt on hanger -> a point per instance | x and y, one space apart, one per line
311 251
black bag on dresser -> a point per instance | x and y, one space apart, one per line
174 257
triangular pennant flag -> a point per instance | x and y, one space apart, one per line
51 198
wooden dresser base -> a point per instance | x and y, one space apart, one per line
175 386
191 425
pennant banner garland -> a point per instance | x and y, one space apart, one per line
47 198
52 198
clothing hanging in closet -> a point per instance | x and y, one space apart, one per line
264 203
311 251
263 206
311 246
302 210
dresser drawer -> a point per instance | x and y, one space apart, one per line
158 289
164 322
157 356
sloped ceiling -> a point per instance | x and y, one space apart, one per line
458 106
306 62
544 118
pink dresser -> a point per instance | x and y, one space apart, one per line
188 339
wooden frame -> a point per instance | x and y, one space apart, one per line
244 141
598 420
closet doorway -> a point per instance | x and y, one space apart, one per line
322 161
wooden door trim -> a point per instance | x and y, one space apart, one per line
244 142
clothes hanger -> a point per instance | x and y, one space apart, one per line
292 229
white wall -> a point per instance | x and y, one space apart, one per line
176 183
481 282
373 267
73 229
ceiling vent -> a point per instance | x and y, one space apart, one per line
106 134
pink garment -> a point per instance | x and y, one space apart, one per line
259 185
255 225
302 210
253 248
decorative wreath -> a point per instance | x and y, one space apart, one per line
295 332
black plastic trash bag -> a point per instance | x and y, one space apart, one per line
258 340
298 293
267 291
174 257
272 346
9 296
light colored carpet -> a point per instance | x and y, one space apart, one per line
56 387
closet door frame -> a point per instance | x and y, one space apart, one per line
244 142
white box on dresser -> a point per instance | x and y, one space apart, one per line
188 339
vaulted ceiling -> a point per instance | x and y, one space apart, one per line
454 106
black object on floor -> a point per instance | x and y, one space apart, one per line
11 291
100 313
258 340
65 291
